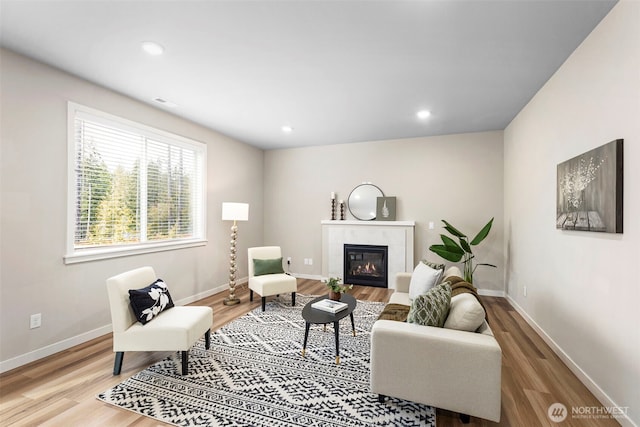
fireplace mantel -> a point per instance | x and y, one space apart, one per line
397 235
370 223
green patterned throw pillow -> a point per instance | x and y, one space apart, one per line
431 308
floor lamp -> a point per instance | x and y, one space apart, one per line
233 212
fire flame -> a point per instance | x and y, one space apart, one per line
367 268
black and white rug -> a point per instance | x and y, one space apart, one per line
254 375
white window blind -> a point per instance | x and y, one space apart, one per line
132 186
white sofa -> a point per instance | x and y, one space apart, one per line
450 369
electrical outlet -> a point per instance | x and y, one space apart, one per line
310 261
430 225
524 291
35 321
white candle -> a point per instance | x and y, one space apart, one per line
342 202
333 195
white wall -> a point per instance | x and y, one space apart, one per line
582 287
33 277
453 177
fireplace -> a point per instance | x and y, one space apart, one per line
366 265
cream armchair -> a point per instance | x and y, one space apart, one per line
269 284
175 329
450 369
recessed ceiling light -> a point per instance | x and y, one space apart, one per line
287 129
423 114
152 48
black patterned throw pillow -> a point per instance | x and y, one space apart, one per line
148 302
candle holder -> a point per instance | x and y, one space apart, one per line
333 209
341 210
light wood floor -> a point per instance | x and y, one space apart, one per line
60 390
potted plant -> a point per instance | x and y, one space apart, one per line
335 288
454 252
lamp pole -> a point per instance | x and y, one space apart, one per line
232 299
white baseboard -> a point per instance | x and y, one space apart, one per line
306 276
491 293
584 378
32 356
486 292
205 294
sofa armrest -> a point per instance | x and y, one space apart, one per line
454 370
402 282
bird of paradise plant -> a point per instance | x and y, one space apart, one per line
455 251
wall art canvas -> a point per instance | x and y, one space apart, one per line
386 209
589 190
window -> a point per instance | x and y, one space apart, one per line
132 188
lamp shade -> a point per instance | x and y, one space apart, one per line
235 211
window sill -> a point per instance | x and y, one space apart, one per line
96 254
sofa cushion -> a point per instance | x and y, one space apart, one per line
423 279
400 298
465 313
459 286
451 271
267 266
397 312
150 301
431 308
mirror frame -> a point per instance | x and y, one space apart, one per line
364 213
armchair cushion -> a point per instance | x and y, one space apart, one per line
431 309
273 284
267 266
150 301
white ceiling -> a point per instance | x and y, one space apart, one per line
336 71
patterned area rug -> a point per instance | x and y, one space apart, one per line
254 375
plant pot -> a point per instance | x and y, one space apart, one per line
335 296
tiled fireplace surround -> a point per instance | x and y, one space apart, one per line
397 235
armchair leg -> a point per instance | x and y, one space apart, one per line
293 299
264 302
464 418
117 364
207 339
185 362
250 295
381 398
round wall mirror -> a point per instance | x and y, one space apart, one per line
362 201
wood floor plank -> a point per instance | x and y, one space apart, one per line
516 357
41 412
61 389
103 416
